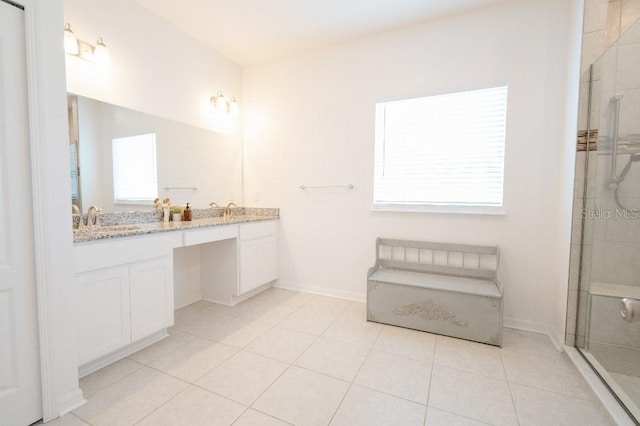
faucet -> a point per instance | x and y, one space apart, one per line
92 216
213 204
227 210
75 212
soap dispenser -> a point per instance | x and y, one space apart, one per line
187 213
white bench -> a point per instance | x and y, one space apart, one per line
449 289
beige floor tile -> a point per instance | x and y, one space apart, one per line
201 322
552 374
182 313
539 407
437 417
630 385
174 340
470 395
357 331
193 360
408 343
268 312
195 406
106 376
252 417
399 376
130 399
243 377
234 310
286 297
66 420
367 407
282 344
303 397
356 311
333 358
529 343
469 356
309 321
240 332
327 305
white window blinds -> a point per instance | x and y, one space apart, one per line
134 169
445 150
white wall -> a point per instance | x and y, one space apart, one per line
155 67
309 120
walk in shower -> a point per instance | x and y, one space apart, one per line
607 230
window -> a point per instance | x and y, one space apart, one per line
441 153
134 169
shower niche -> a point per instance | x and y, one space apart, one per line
606 238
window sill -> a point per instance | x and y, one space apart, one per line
432 208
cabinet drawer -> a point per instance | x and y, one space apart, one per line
208 235
249 231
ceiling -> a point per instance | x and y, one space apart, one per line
254 31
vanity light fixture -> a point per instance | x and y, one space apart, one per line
221 104
72 46
70 40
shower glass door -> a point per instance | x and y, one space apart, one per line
608 328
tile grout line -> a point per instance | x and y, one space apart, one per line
433 363
511 397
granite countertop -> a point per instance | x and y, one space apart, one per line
129 227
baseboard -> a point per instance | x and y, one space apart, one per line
117 355
356 297
535 327
70 402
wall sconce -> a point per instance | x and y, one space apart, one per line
72 46
221 104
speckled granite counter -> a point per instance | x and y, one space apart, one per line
119 225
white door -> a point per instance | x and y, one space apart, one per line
20 400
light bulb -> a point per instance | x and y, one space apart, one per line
100 52
221 102
70 40
233 106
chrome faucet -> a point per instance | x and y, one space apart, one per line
92 216
213 204
229 208
75 212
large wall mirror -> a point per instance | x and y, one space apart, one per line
192 164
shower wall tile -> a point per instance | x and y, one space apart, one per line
617 359
570 340
632 35
621 264
628 65
607 326
597 261
595 15
585 276
572 311
613 22
630 106
583 313
593 44
578 189
619 229
630 12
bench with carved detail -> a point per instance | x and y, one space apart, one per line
449 289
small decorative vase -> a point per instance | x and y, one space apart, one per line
177 217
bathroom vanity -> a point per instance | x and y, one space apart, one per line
130 277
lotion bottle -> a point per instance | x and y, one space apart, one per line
187 213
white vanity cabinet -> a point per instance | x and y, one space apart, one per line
125 294
258 255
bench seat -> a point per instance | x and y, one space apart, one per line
420 285
474 286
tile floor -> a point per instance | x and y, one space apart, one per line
293 358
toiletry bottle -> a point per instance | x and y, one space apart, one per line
187 213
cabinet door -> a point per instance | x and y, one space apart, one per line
258 262
268 259
151 296
249 265
103 317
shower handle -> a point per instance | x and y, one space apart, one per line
630 309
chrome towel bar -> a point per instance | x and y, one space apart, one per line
304 187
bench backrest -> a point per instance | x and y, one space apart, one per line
439 258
